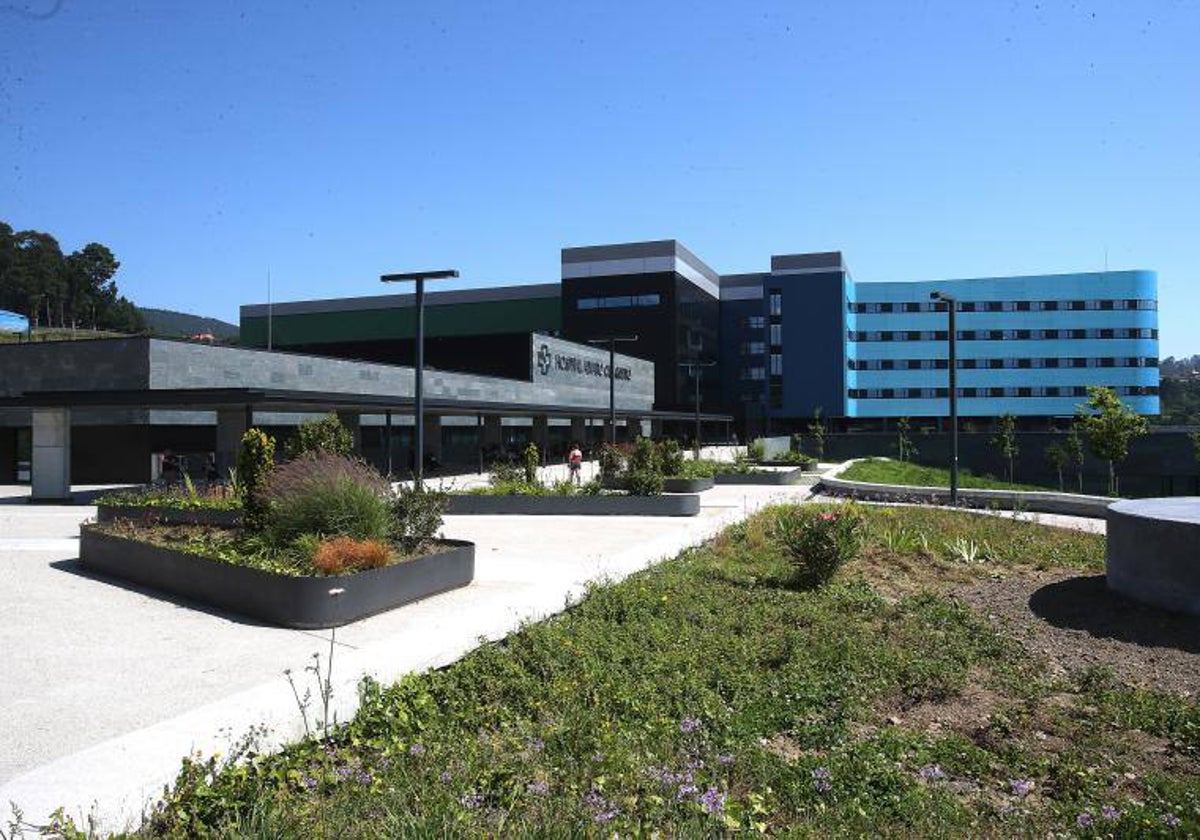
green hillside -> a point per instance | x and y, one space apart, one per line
170 324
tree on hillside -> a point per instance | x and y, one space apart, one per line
1110 426
51 289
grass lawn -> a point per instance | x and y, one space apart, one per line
706 696
880 471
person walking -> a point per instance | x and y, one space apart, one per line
575 463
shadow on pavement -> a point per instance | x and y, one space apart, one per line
74 567
1086 603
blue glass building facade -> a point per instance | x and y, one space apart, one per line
805 337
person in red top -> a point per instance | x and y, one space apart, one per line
575 463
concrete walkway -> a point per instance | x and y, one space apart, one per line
107 686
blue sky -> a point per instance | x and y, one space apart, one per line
332 142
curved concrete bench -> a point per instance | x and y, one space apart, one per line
1031 500
1154 552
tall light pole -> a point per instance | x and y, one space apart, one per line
695 369
419 367
611 341
952 307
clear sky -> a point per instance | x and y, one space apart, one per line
332 142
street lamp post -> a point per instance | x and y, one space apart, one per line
695 369
611 341
952 307
419 277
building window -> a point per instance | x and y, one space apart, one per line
753 348
618 302
776 302
755 322
776 335
777 364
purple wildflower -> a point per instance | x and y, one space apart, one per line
364 778
1020 787
821 782
1171 820
1110 813
416 749
604 816
538 787
724 759
344 772
931 772
685 791
471 800
1084 820
445 777
309 782
689 724
535 744
713 801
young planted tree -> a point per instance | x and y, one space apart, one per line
1006 441
907 449
1073 447
533 459
816 431
1110 426
1056 457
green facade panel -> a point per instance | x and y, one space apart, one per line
459 319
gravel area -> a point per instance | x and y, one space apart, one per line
1076 622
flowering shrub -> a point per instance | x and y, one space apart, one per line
340 555
819 541
256 460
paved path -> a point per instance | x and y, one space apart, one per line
106 686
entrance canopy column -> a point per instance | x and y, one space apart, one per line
51 456
232 424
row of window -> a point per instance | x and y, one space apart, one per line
757 372
1006 306
618 301
1001 335
984 393
992 364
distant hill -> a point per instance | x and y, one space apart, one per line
170 324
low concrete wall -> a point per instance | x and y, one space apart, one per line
300 602
675 504
1033 501
1153 553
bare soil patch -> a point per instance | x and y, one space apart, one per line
1075 622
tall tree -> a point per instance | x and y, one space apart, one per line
1073 447
91 289
1110 426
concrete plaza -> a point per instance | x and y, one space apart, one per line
108 686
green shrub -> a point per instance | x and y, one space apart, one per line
644 476
256 460
330 495
670 455
818 542
612 462
532 461
416 517
505 472
326 435
756 451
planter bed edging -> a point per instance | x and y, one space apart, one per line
168 515
302 603
765 478
1068 504
687 485
675 504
